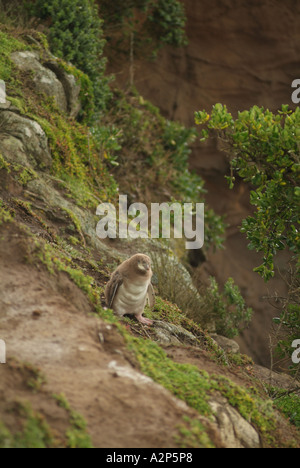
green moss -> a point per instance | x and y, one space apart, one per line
257 411
33 377
4 164
74 240
35 432
19 103
76 223
56 260
240 360
197 387
8 45
75 158
6 438
192 434
24 174
76 435
86 90
165 310
5 214
185 381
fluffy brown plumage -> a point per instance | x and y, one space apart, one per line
130 287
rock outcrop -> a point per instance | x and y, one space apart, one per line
50 78
23 141
235 431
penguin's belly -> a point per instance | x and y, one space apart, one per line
131 298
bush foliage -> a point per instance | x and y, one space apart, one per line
153 23
75 34
264 151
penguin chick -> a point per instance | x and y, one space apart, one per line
130 287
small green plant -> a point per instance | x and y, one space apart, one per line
25 174
106 139
227 309
76 160
5 213
192 434
289 404
4 164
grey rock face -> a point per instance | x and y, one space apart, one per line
50 79
44 80
234 430
23 141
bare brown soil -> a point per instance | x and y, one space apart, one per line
47 321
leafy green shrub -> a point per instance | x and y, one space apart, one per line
289 404
75 34
264 151
152 23
168 20
287 324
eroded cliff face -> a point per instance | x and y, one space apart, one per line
240 54
75 376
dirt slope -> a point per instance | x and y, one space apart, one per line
46 321
56 345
